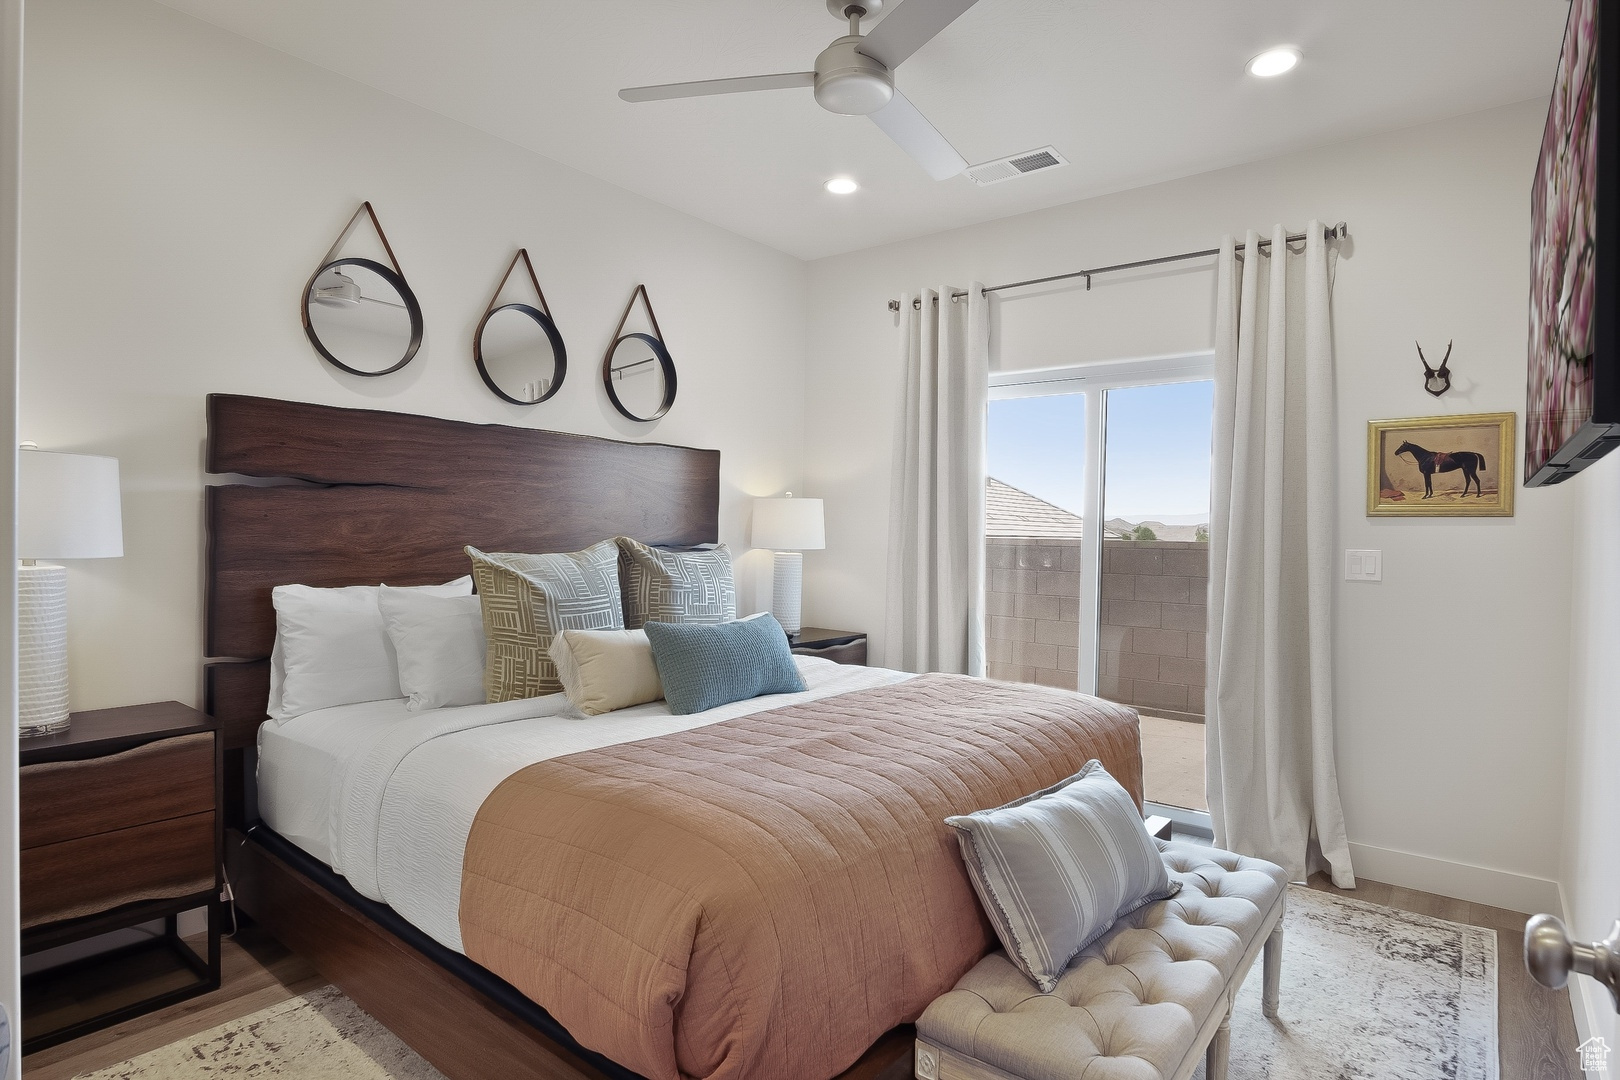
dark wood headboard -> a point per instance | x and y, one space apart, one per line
399 497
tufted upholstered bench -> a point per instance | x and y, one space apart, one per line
1143 1002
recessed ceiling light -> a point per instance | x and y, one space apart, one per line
842 185
1274 62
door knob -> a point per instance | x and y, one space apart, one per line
1550 956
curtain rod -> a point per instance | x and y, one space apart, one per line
1337 232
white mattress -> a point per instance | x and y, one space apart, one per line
387 797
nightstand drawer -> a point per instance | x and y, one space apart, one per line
65 800
853 652
97 873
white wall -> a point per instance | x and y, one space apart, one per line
1452 672
182 183
1591 868
11 49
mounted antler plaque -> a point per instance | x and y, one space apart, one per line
1436 380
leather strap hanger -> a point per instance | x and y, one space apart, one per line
522 253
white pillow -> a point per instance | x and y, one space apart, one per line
604 670
332 647
439 641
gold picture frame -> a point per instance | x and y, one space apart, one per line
1442 466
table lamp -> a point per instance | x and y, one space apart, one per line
788 526
67 508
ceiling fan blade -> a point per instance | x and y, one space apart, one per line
909 128
908 28
719 86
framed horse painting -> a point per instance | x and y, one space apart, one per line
1441 466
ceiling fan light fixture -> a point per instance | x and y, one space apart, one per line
337 290
842 185
1274 62
853 94
850 82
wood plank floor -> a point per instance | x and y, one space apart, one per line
256 974
1537 1026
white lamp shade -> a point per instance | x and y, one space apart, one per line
68 506
789 524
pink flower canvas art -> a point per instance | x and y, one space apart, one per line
1563 249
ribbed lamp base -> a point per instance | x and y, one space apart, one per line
787 588
42 666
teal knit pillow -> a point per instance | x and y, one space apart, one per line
705 665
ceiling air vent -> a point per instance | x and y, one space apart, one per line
994 172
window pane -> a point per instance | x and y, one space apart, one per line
1033 508
1156 577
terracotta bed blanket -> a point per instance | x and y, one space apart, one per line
765 896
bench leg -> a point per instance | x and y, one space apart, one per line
1219 1049
1270 988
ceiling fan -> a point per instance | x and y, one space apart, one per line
855 76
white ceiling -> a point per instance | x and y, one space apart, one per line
1130 91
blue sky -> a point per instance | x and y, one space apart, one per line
1158 449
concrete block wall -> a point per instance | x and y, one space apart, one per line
1032 610
1152 620
1154 597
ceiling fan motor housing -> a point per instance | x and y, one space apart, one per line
850 82
840 8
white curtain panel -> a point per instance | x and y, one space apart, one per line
935 603
1272 783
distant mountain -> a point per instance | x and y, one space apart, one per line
1180 519
1182 528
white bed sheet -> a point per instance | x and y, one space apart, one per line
387 797
301 760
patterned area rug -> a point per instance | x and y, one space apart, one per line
318 1036
1371 993
1368 993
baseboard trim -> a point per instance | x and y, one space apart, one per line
1464 881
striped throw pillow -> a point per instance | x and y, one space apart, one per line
527 599
1054 870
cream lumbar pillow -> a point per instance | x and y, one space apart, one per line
604 670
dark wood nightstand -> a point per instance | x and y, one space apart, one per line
839 646
119 825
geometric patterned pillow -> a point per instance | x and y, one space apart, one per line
1054 870
690 585
526 599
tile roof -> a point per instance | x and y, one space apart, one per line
1009 511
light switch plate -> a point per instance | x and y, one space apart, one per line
1362 565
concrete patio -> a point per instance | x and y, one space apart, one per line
1173 762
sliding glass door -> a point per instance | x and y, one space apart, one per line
1155 576
1118 609
1033 534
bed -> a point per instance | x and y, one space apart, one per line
463 874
